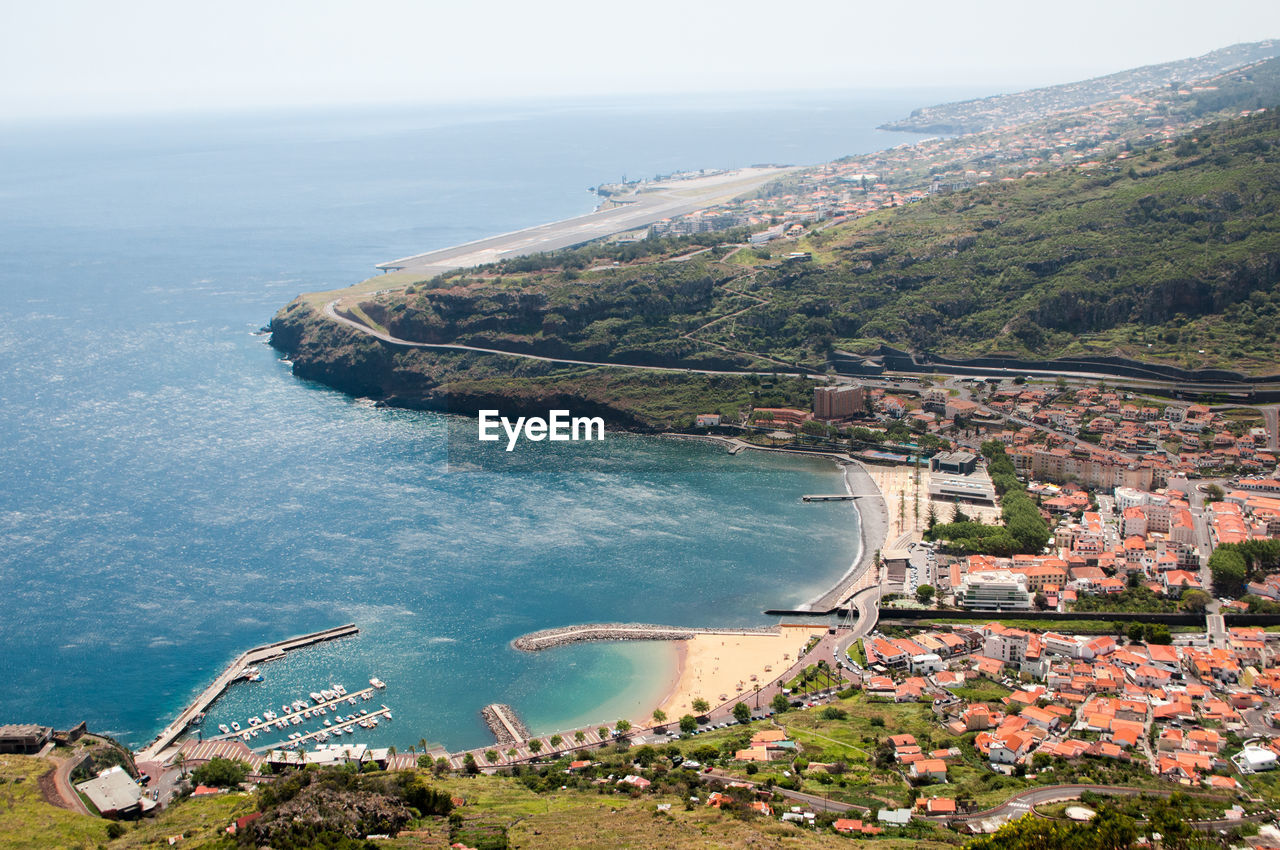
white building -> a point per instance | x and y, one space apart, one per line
994 590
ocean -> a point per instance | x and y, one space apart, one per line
171 495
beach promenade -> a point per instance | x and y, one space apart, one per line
651 202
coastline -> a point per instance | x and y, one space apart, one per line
720 665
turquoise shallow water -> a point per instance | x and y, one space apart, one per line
171 495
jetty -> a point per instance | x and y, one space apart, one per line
235 670
505 724
833 497
589 632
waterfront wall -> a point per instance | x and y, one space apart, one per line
589 632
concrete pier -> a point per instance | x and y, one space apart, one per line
233 671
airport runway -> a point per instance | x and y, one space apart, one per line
655 202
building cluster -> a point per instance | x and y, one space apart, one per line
1096 137
1138 445
1200 713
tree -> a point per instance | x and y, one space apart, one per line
556 740
535 746
700 705
931 518
220 772
579 736
780 703
688 723
469 764
622 727
1213 493
1136 632
441 766
659 716
1227 566
924 594
491 756
1195 600
742 712
1041 601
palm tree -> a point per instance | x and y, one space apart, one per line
180 761
659 715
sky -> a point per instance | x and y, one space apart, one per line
88 57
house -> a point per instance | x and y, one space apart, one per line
114 793
849 826
931 769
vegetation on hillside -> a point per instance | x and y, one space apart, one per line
1172 254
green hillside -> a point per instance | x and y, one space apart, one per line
1170 254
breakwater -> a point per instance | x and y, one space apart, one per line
507 727
590 632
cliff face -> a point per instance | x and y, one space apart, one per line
420 379
338 356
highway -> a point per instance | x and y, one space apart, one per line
653 202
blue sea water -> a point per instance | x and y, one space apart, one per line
171 495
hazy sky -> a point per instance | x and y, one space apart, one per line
62 57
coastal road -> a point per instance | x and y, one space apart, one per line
331 312
653 202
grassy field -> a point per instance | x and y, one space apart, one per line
27 821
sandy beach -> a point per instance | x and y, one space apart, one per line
720 667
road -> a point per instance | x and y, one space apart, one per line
62 784
653 203
330 312
1271 416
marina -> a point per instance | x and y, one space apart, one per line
298 712
234 671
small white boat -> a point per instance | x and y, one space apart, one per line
387 715
295 720
351 701
224 729
328 723
366 696
255 720
337 731
377 683
244 735
315 697
364 711
373 721
298 705
327 694
321 710
254 733
235 725
339 690
307 714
